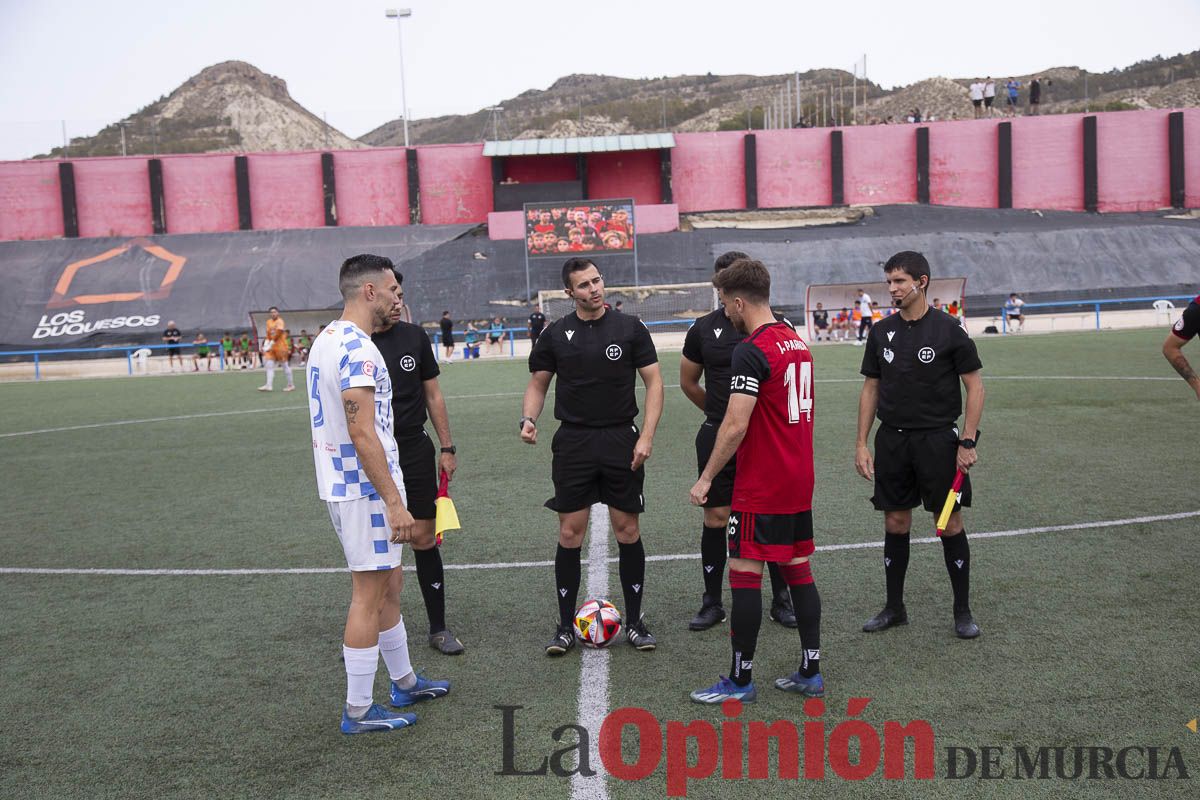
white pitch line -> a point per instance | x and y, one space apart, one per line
827 548
593 669
182 417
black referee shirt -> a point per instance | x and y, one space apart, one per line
918 364
410 362
710 343
596 362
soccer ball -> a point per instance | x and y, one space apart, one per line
597 623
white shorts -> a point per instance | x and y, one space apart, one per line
362 527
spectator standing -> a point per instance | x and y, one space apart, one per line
989 94
447 326
537 322
1014 96
976 92
1035 95
173 336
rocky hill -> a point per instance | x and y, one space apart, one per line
592 105
232 106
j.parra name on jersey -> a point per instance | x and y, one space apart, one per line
790 344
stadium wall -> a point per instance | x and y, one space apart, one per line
455 182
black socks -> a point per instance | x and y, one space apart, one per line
958 563
895 564
566 579
632 569
713 547
431 576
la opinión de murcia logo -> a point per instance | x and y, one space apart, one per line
851 750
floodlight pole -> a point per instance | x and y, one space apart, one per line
399 14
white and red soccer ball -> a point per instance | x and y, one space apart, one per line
597 623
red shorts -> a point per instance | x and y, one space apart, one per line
770 537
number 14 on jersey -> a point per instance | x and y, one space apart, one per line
799 394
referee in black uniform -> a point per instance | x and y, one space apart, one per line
707 351
913 363
412 365
598 450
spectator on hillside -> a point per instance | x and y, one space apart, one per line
989 94
1035 95
976 92
1014 97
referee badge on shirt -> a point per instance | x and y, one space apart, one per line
888 355
925 355
408 363
613 351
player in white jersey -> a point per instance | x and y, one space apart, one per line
866 316
359 478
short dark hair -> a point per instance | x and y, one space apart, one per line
574 265
908 261
399 276
273 308
725 259
747 278
355 270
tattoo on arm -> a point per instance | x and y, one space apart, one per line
351 407
1182 367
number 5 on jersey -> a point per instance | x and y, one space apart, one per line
800 396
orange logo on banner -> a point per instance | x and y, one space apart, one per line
174 267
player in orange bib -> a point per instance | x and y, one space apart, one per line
276 352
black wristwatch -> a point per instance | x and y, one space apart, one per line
969 444
521 424
451 449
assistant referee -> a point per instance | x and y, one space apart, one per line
598 450
913 364
413 368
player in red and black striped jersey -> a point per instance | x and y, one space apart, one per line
1182 332
769 424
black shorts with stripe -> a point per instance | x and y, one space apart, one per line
770 537
916 467
720 494
418 462
591 465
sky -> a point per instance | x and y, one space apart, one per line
93 63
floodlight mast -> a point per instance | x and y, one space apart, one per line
399 14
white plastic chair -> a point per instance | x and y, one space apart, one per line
1163 309
141 357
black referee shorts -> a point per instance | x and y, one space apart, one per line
916 467
720 494
418 462
591 465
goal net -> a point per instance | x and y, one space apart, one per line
663 303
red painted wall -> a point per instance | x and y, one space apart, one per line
962 163
113 196
635 173
1048 162
1191 158
540 169
708 172
456 184
1134 171
285 191
30 200
793 168
372 186
880 164
200 193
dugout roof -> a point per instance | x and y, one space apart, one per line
578 144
